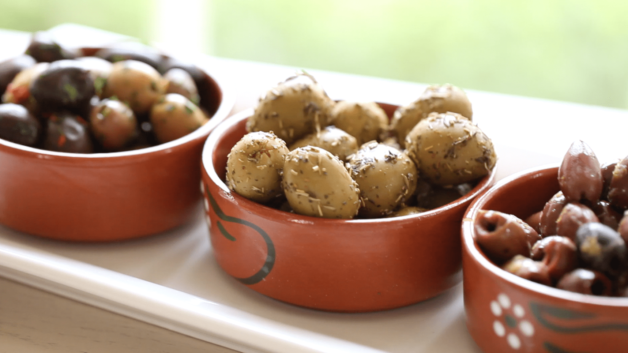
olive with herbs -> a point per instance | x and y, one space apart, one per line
113 124
65 85
174 63
179 81
135 83
19 91
292 109
330 139
448 149
386 178
364 121
18 125
175 116
254 166
317 184
67 133
99 69
43 48
436 98
11 67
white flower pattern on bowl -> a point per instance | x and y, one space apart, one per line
513 322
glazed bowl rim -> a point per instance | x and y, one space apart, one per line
227 102
469 246
208 167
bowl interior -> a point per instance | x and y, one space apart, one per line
522 195
231 131
214 99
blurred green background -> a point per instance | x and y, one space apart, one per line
566 50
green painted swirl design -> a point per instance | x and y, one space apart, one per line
270 257
543 314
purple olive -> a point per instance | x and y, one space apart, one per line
529 269
572 217
586 282
607 176
618 190
534 221
502 236
606 214
550 214
580 175
558 254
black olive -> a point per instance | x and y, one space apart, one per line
18 125
67 133
11 67
45 50
132 51
65 85
601 248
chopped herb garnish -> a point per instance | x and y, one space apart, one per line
71 91
170 108
99 84
117 58
189 108
153 86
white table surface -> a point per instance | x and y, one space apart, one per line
527 132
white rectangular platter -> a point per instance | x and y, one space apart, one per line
172 280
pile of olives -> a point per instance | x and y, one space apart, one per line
578 241
307 154
116 100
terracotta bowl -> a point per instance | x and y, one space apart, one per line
329 264
506 313
107 196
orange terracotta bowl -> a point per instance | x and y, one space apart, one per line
506 313
329 264
108 196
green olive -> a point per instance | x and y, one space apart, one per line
254 166
449 150
135 83
292 109
174 116
317 184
